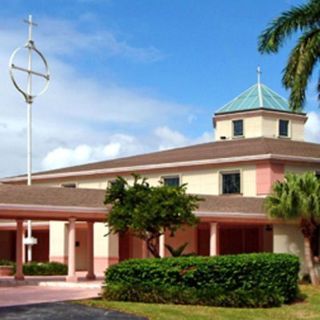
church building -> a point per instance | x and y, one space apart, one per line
257 141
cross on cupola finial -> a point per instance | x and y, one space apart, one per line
259 86
30 24
259 74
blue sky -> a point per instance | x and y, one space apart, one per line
133 76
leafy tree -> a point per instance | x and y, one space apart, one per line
298 198
148 212
303 58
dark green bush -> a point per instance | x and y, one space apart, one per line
246 280
45 268
4 262
40 268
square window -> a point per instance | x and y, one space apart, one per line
237 128
283 128
231 183
69 185
171 181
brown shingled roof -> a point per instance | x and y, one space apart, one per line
206 151
49 196
94 198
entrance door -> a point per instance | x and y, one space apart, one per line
203 231
124 246
237 239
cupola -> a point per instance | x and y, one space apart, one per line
258 112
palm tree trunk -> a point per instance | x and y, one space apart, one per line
309 261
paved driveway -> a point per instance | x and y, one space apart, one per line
21 295
61 311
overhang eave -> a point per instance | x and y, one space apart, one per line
51 213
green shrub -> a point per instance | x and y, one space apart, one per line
39 268
4 262
246 280
45 268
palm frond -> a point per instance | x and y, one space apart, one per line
298 196
301 63
301 18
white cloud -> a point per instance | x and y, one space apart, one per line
79 119
312 127
168 138
118 145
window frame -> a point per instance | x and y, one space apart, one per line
70 185
178 176
228 172
288 129
235 136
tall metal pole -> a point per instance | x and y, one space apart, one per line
29 96
29 116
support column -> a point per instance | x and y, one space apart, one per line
144 249
90 252
162 247
72 251
23 248
19 250
214 246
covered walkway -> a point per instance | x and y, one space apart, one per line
35 203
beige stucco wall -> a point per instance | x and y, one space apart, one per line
209 181
206 181
223 129
299 169
93 184
260 126
289 239
57 239
269 127
297 130
252 127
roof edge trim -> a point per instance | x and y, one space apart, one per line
167 166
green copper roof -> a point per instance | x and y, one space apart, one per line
258 96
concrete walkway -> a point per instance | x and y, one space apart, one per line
48 281
61 311
23 295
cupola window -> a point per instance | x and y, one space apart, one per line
237 128
283 128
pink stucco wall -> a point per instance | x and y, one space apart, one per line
267 173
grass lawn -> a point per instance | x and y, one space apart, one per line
309 309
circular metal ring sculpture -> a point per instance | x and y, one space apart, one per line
31 47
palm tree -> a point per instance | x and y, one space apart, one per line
304 19
298 198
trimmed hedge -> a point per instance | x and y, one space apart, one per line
245 280
40 268
4 262
45 268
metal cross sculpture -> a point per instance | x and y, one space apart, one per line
29 98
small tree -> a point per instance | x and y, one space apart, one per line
148 212
298 198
